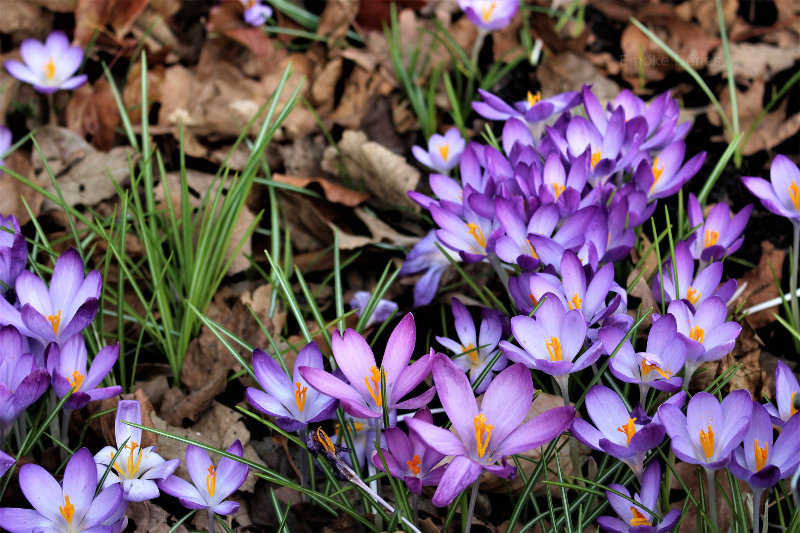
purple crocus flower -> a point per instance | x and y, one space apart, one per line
48 66
694 439
69 507
533 109
444 151
636 518
693 288
617 431
5 143
292 402
382 312
135 468
661 115
67 368
210 485
780 195
475 351
706 334
21 383
489 434
551 341
514 245
427 256
56 313
13 251
255 13
786 390
409 458
467 233
719 234
489 14
6 462
667 173
362 396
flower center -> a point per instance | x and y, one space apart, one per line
76 381
483 433
470 350
575 302
638 518
648 367
67 510
629 429
792 408
211 480
558 189
697 334
300 396
707 442
534 99
533 252
133 468
444 151
413 465
711 238
374 388
657 171
486 12
554 349
55 321
596 158
761 455
692 295
794 193
50 69
477 234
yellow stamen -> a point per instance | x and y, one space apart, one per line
300 396
76 381
761 455
476 233
67 510
533 252
638 518
558 189
647 368
657 171
55 321
534 99
413 465
792 409
711 238
794 192
697 334
596 157
444 151
211 480
575 302
50 69
483 433
375 388
486 12
707 442
692 295
470 350
629 429
133 468
554 349
325 441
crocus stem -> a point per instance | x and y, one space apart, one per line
501 273
667 481
712 498
55 429
210 521
375 483
472 498
793 278
51 104
66 413
415 507
757 508
355 480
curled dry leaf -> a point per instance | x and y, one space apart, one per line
333 192
150 518
760 285
754 60
93 111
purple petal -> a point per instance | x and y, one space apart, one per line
455 394
197 464
443 441
272 377
42 491
460 473
538 431
355 359
507 411
226 508
188 495
399 348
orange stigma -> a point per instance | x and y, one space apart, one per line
211 480
50 69
325 441
794 193
534 99
692 295
55 321
413 465
133 468
554 349
483 433
76 381
477 234
575 302
657 171
67 510
711 238
486 13
444 151
697 334
761 455
707 442
300 396
375 388
596 157
629 429
638 518
558 189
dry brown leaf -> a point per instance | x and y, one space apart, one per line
26 18
150 518
93 111
566 71
13 189
705 13
380 231
760 284
332 191
754 60
59 6
387 175
227 18
337 18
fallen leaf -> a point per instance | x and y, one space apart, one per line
93 111
753 60
760 285
332 191
14 189
25 18
568 71
379 230
150 518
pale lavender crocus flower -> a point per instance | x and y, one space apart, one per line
637 518
6 462
667 173
475 350
787 390
780 195
255 13
532 109
13 251
709 431
5 143
489 14
67 368
661 115
514 244
291 401
362 397
616 431
409 458
717 235
136 468
693 288
706 334
66 508
431 257
48 66
21 383
382 312
210 485
444 151
489 434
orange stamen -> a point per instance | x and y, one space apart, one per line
483 433
629 429
761 455
711 238
533 252
375 388
692 295
647 368
476 233
470 350
325 441
55 321
638 518
792 409
657 171
596 157
554 349
444 151
413 465
575 302
211 480
76 381
707 442
794 192
133 468
67 510
486 13
697 334
50 69
300 396
534 99
558 189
